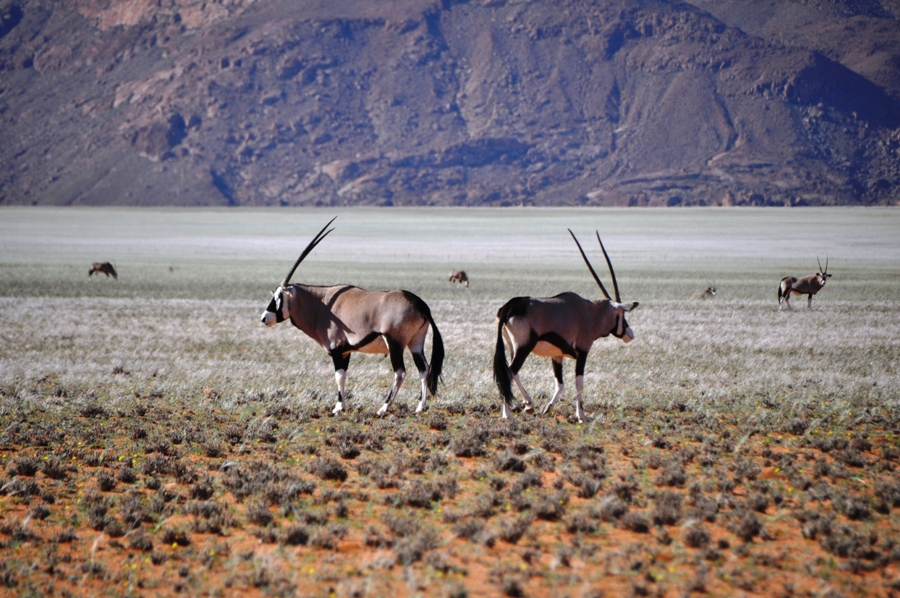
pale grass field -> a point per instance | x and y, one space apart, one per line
183 317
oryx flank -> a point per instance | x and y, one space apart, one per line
807 285
103 268
345 319
708 293
459 276
556 327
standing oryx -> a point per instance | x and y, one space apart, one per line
344 319
708 293
562 326
459 276
807 285
103 268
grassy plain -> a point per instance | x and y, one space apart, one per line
178 445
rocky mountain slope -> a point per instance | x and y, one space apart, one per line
438 102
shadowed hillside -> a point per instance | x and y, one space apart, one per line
427 102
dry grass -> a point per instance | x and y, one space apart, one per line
154 435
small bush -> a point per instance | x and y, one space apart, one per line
24 466
327 469
695 537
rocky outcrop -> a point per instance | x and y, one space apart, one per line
437 102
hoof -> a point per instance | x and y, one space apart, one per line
337 409
382 411
529 410
421 409
546 409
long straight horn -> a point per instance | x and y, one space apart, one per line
820 264
826 265
611 271
312 244
591 268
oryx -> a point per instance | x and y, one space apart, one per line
103 268
807 285
708 293
562 326
345 319
459 276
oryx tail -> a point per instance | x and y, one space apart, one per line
501 366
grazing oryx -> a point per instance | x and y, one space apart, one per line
562 326
807 285
103 268
345 319
459 276
707 293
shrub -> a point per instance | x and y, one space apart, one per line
327 468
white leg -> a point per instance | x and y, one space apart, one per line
423 375
340 376
529 406
505 412
579 408
399 375
560 392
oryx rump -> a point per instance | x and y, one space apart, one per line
806 285
345 319
556 327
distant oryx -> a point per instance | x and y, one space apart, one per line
807 285
344 319
103 268
562 326
459 276
708 293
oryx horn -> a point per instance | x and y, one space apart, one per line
312 244
591 268
611 271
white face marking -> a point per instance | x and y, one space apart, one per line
628 336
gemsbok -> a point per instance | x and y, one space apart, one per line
556 327
806 285
103 268
459 276
345 319
708 293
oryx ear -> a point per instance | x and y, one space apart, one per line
625 306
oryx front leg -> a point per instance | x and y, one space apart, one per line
809 302
396 353
560 387
341 362
580 362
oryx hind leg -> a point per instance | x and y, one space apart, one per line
395 350
809 302
521 354
560 387
422 366
341 363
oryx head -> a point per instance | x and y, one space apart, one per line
712 289
822 274
621 330
277 310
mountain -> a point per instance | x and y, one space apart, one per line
440 102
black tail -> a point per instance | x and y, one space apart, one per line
501 366
437 357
